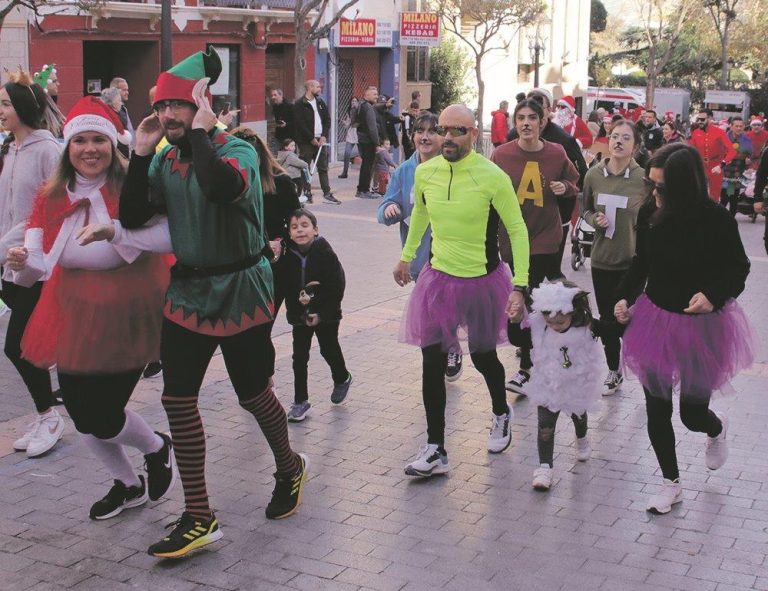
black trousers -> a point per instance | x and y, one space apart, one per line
186 355
605 284
433 387
328 339
22 302
696 417
368 155
96 403
540 267
546 432
308 152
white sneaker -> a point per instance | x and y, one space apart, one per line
717 447
428 462
612 383
671 493
47 434
22 442
500 435
583 449
542 477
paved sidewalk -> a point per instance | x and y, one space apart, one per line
363 523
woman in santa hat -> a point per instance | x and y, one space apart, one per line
99 315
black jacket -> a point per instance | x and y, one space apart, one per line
367 124
677 258
319 264
304 120
284 112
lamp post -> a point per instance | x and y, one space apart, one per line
536 45
166 53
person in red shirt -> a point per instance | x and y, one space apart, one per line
715 149
500 124
566 117
758 136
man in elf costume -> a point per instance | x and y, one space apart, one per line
221 290
758 136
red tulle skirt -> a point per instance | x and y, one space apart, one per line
99 322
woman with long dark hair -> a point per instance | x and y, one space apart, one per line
28 156
280 201
686 330
99 315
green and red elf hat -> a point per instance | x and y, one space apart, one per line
177 83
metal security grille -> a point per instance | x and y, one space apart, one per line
357 70
345 77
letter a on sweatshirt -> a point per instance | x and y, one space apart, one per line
530 185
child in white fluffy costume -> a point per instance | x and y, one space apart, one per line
568 360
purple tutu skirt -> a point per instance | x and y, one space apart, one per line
700 353
447 310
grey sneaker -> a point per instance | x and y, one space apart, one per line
366 195
299 411
428 462
331 198
340 390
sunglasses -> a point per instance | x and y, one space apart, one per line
652 185
700 120
454 130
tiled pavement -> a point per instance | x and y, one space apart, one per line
363 524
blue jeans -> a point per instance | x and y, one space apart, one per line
348 151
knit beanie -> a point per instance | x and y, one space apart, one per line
177 83
91 114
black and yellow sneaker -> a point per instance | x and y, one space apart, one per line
119 498
189 534
286 497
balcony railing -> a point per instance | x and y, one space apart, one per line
263 4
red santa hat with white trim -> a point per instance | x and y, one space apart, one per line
756 120
92 114
568 102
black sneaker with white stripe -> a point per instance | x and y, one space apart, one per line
454 368
118 498
161 469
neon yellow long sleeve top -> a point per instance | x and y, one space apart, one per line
463 201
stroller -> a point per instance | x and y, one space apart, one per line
581 243
746 202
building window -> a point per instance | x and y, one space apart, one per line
417 64
413 5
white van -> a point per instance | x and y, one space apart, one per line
610 98
727 103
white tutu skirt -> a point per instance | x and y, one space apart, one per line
567 368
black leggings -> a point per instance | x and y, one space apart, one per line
695 416
328 339
541 266
435 362
545 439
186 355
96 403
22 302
605 284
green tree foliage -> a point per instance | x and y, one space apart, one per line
598 18
449 66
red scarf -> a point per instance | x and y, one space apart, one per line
50 211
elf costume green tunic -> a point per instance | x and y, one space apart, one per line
207 235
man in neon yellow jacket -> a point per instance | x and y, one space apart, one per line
462 195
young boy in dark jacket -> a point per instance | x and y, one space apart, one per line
314 288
